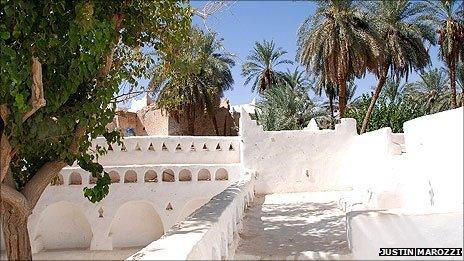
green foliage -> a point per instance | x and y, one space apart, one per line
261 65
392 109
432 91
338 44
72 40
208 76
283 108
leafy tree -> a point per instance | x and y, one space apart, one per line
61 63
283 108
448 17
338 44
200 90
431 91
403 30
261 64
392 109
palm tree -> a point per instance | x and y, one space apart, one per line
448 17
261 64
339 44
209 76
403 30
460 80
283 108
296 80
431 90
330 90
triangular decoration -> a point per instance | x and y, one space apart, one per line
164 148
204 147
231 147
137 147
178 147
151 147
192 147
110 147
169 206
218 147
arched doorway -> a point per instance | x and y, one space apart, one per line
136 223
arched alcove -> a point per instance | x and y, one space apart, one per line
222 174
63 225
204 175
190 207
168 175
114 176
151 176
136 223
185 175
130 177
75 179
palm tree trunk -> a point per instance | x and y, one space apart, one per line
331 106
452 68
342 98
190 120
378 89
215 124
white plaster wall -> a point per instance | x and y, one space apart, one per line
370 231
135 224
149 150
434 147
292 161
63 225
157 194
210 233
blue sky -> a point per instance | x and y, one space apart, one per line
246 22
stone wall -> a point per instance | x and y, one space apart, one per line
153 121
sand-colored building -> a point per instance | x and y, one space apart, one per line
150 120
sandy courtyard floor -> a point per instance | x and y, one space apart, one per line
294 226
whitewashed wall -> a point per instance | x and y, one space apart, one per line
369 231
292 161
171 149
210 233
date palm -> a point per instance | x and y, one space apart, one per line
339 44
209 76
431 91
296 80
330 90
403 31
448 18
261 65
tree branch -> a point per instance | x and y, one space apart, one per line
11 196
35 187
37 100
5 147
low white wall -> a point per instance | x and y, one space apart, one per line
371 230
292 161
128 206
210 233
176 150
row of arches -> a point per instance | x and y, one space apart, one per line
63 225
130 176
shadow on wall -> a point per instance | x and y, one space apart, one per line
289 229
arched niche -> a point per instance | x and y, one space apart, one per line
63 225
191 206
135 224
